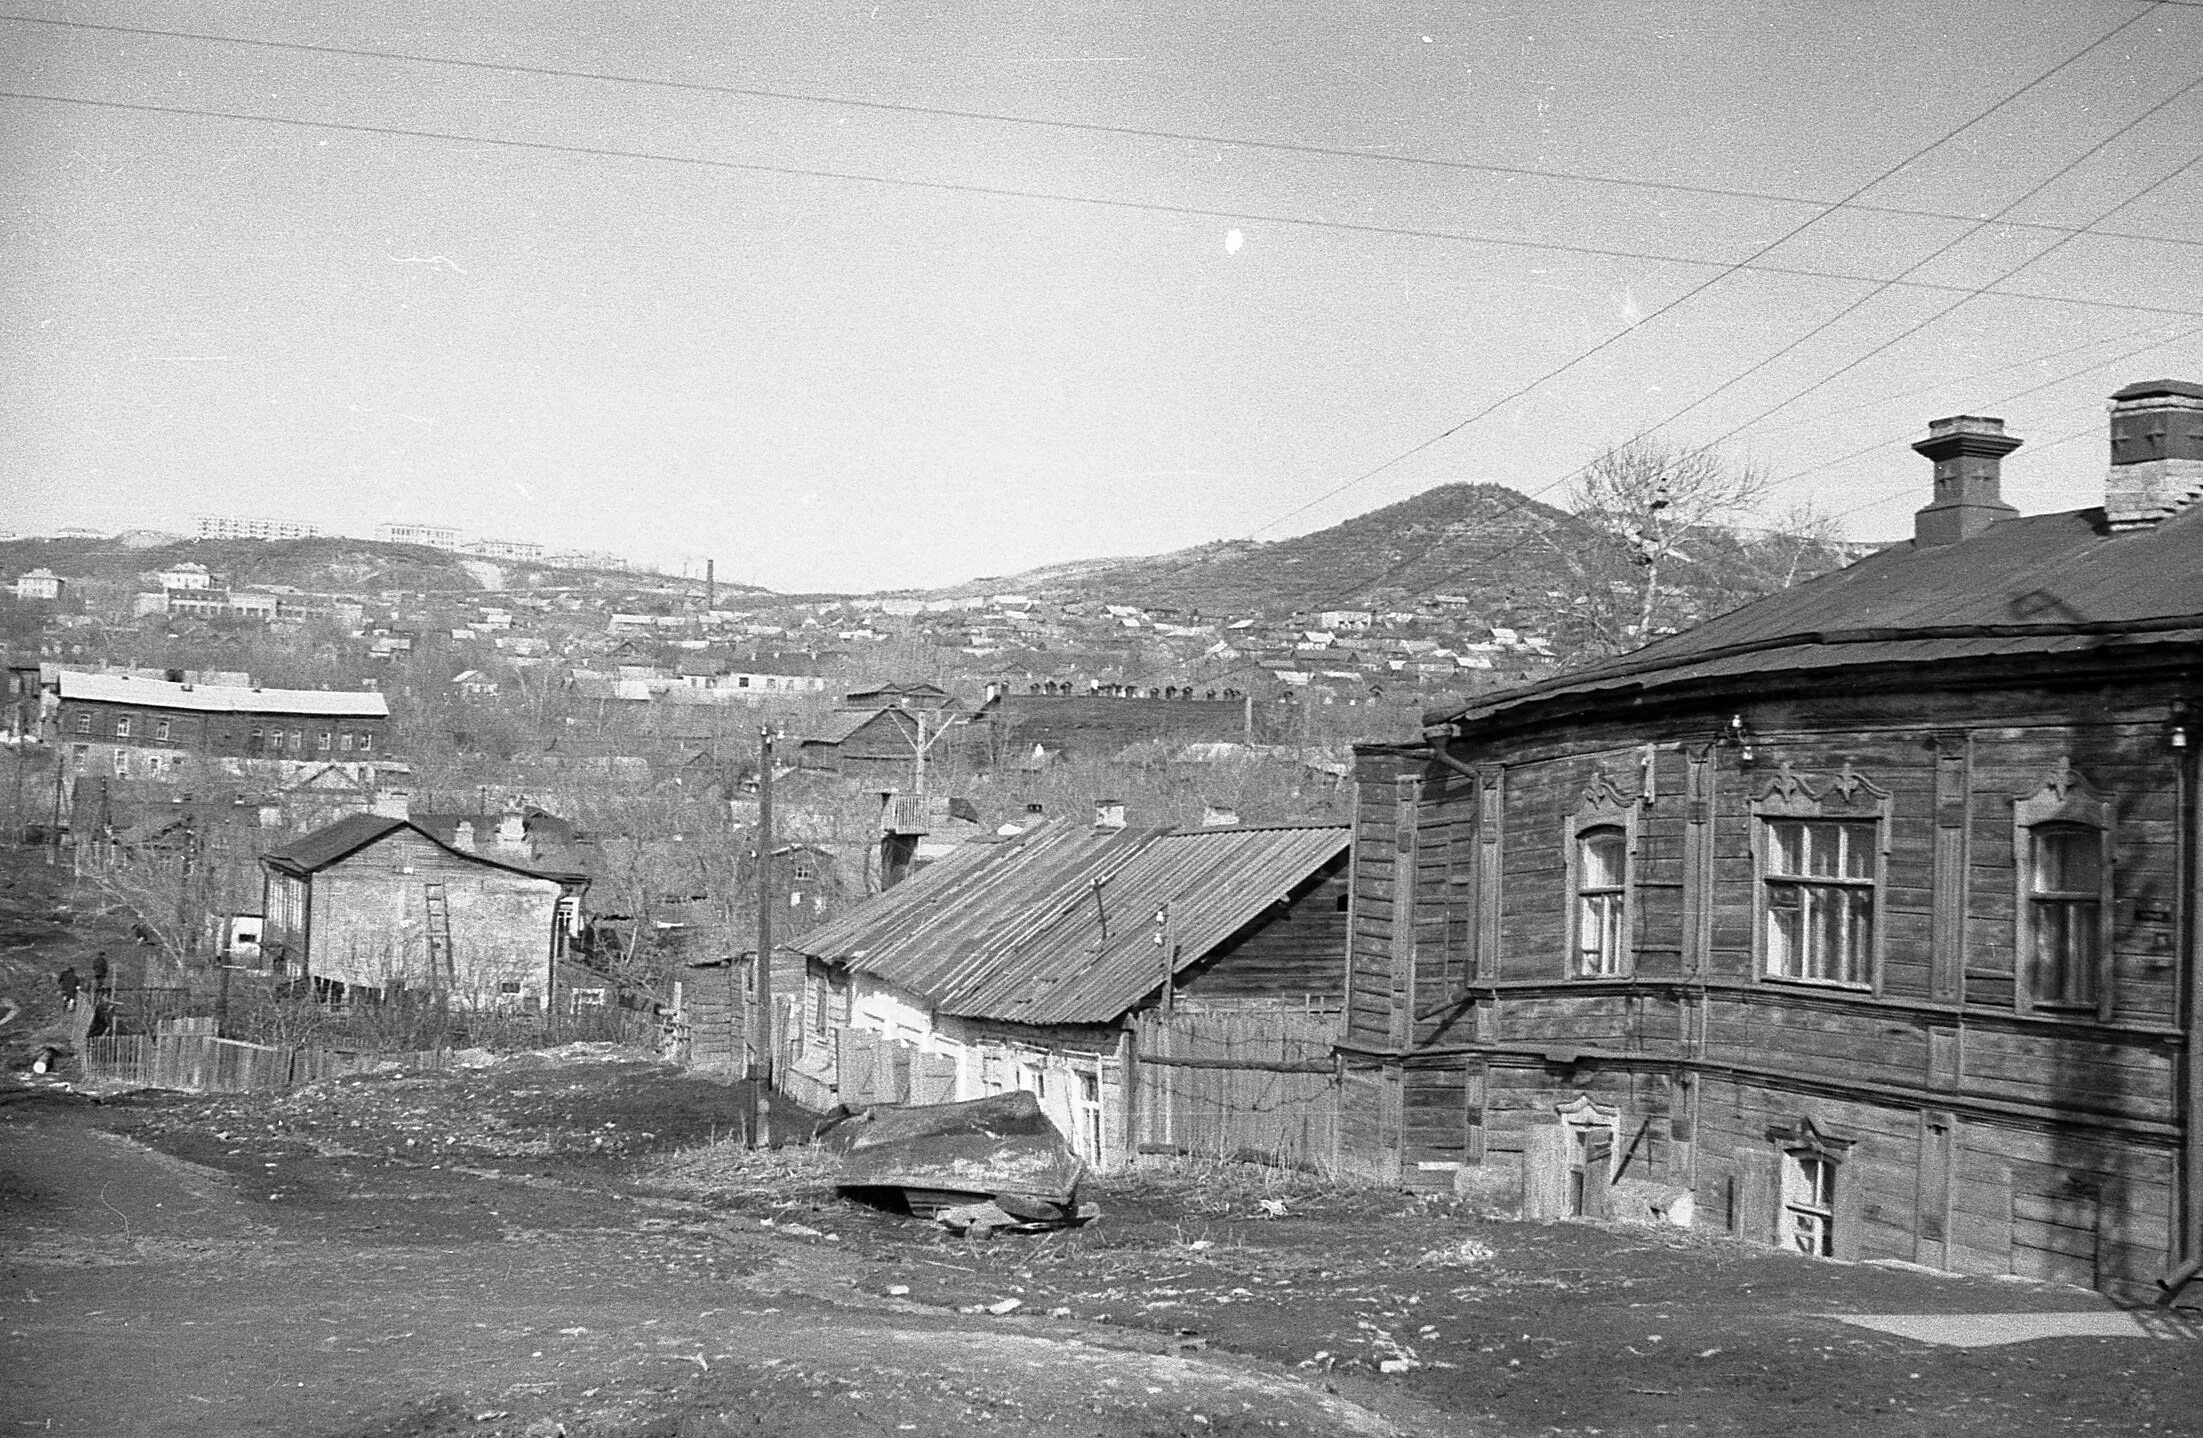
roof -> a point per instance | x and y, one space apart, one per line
222 698
842 723
2043 585
1008 927
354 832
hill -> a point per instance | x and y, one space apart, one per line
1513 559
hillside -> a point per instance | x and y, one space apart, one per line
1515 560
325 564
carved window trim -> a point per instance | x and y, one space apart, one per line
2064 802
1602 807
1809 1187
1847 796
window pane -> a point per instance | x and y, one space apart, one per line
2068 860
1858 851
1604 855
1785 934
1786 848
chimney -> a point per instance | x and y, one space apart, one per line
1968 451
2156 452
512 830
462 836
1109 813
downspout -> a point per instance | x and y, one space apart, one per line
2190 1240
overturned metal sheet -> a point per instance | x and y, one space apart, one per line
952 1152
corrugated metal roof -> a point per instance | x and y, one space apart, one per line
1009 928
354 832
2046 584
222 699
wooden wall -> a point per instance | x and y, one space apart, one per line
1290 957
1973 1130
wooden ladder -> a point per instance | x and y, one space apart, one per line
440 970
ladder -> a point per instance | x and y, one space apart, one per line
440 970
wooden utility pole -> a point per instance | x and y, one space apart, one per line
761 1019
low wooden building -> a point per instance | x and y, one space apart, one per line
382 906
1016 960
1862 919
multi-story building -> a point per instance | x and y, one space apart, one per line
1862 920
130 727
435 536
240 526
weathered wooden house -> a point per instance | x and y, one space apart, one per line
381 906
1862 919
1016 960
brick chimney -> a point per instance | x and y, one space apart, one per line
1968 451
2156 452
462 836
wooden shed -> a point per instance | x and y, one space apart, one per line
1861 920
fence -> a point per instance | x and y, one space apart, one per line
1238 1085
189 1054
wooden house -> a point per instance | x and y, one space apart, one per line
1862 919
379 906
1017 960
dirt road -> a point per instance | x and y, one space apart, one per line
551 1246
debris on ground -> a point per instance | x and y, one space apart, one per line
996 1161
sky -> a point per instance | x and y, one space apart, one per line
858 296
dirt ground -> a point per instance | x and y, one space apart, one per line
568 1244
561 1244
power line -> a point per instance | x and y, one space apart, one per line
1064 197
749 92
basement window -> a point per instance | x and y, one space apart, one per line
1809 1202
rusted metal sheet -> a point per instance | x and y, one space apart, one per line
950 1153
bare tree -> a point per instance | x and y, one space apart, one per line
1651 501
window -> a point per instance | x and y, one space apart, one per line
298 741
160 730
345 743
84 723
803 871
323 741
1602 867
1809 1202
122 727
367 742
2062 851
122 763
1820 900
1600 840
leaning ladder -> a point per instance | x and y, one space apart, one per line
440 971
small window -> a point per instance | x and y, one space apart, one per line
323 740
1819 896
509 986
2065 908
367 742
84 723
1602 889
1809 1203
122 727
803 871
344 742
160 730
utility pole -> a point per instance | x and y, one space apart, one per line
761 1019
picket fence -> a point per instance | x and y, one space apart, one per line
189 1054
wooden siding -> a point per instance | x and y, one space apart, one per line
1971 1130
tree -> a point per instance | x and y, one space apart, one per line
1650 506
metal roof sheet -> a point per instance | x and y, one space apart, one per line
1010 929
222 698
2045 584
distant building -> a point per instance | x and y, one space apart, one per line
516 550
39 584
435 536
240 526
130 727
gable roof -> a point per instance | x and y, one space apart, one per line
2043 585
354 832
1008 927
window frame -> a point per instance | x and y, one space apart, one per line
1834 1201
1848 797
2064 803
1602 807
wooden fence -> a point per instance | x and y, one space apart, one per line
1248 1085
189 1054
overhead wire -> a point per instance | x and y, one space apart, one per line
1038 122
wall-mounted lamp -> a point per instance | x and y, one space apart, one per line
1741 737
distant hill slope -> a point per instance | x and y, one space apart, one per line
1514 559
324 564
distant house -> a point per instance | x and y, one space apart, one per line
373 907
39 584
185 576
474 684
1014 960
